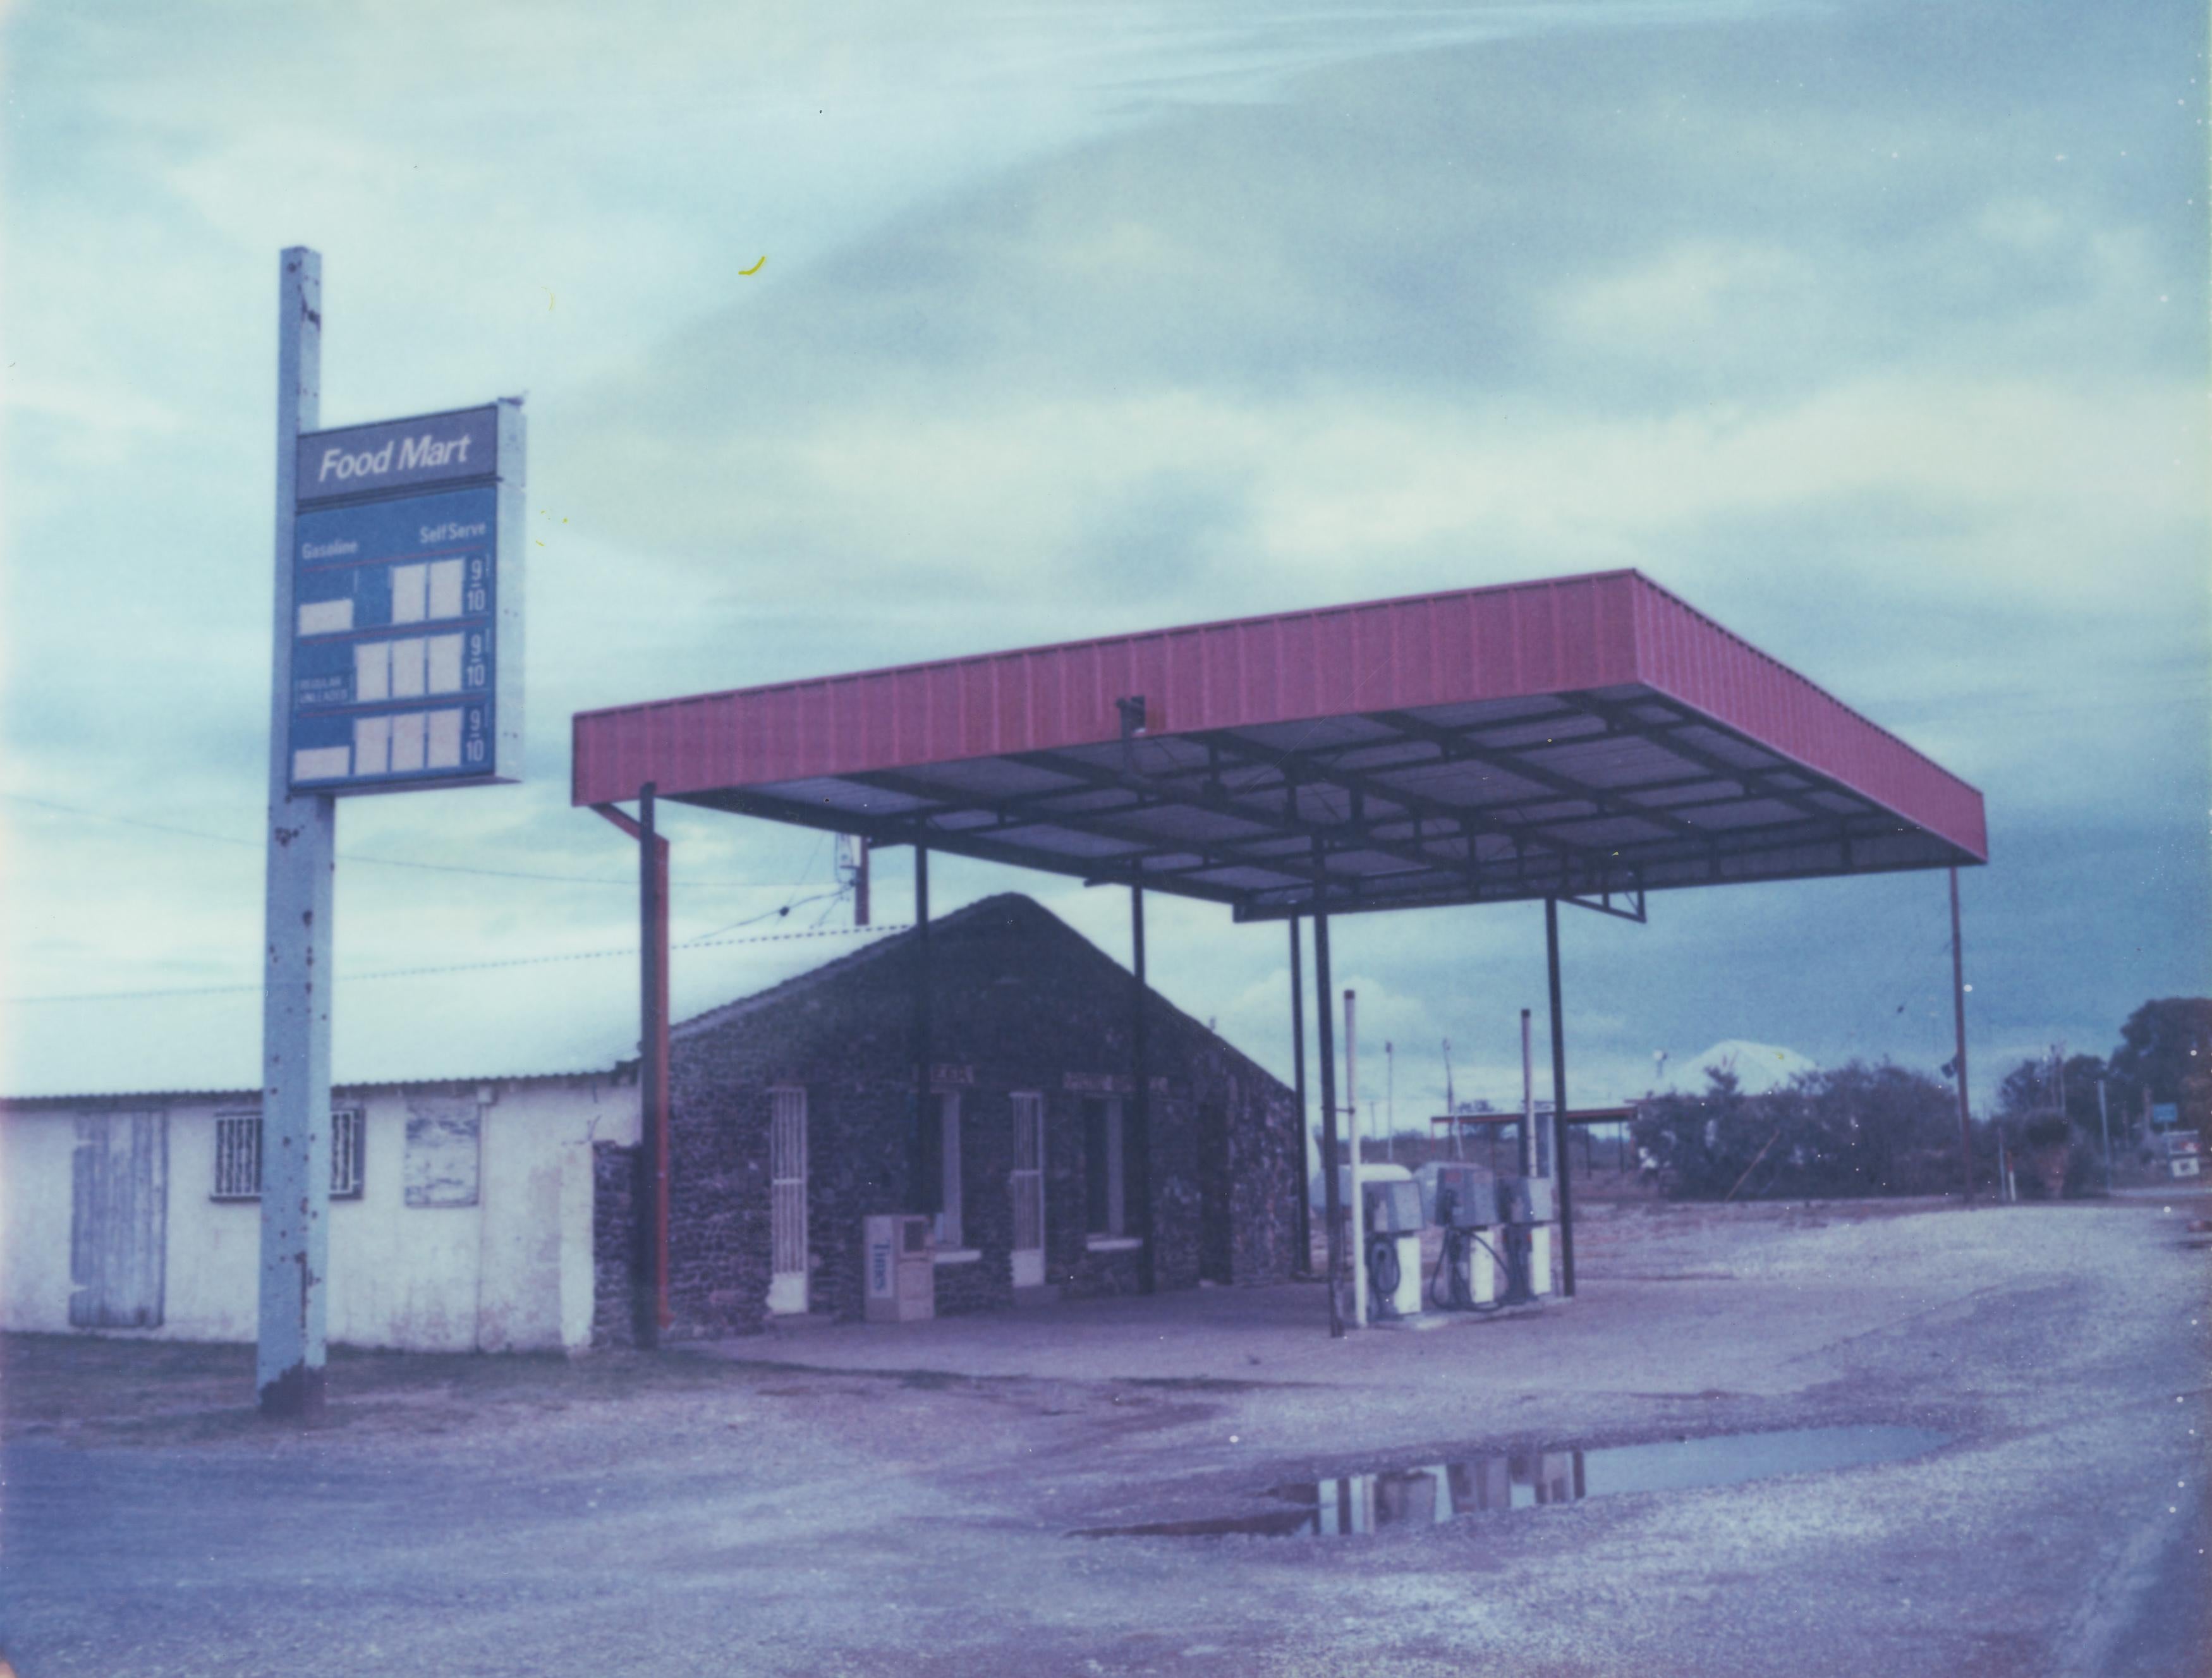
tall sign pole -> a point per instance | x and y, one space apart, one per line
295 1005
396 667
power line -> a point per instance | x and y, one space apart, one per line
755 920
709 942
390 861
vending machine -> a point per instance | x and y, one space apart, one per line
900 1259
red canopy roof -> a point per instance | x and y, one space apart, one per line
1581 735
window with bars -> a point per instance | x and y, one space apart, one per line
349 1131
238 1154
788 1186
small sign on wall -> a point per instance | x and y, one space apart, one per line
443 1134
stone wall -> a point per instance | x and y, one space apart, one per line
1021 1003
618 1273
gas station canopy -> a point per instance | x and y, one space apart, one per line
1588 737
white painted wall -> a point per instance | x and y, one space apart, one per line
511 1272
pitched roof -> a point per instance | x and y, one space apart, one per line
940 927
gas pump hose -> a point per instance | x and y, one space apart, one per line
1454 1243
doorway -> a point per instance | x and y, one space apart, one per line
1027 1182
118 1220
1215 1227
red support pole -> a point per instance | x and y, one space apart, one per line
652 1036
1561 1159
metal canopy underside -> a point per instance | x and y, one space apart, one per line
1617 787
1578 795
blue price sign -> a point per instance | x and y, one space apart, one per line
406 617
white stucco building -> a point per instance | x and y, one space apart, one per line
460 1220
465 1109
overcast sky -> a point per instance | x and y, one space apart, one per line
1876 331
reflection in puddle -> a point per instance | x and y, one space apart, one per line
1428 1496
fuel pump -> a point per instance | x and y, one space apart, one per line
1466 1278
1394 1249
1525 1205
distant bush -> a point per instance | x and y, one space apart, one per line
2047 1132
2036 1140
1857 1130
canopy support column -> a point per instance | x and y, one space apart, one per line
1332 1198
653 1314
1140 1161
1302 1256
1559 1102
924 1190
1958 1017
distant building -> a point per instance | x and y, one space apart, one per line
503 1212
1758 1068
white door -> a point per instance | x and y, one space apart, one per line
1028 1182
787 1170
118 1220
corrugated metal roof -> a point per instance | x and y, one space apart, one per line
1576 735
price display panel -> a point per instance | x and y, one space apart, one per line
398 621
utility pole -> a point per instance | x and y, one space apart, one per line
1451 1106
1389 1102
2105 1125
295 997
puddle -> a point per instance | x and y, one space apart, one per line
1437 1493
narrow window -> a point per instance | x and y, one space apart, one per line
1103 1167
349 1133
1094 1165
237 1156
788 1241
948 1237
1027 1182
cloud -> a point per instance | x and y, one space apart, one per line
1874 331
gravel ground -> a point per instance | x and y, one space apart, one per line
901 1499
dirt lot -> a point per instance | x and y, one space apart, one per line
881 1501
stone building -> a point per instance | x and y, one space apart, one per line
796 1113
